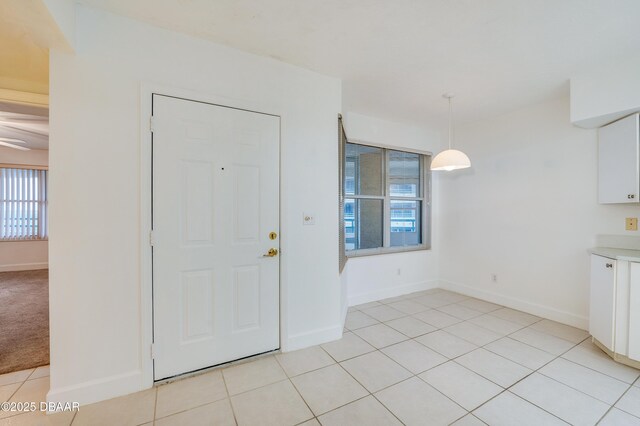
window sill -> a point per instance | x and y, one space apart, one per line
385 250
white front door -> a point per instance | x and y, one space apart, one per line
215 216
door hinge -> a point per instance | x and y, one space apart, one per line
153 351
152 239
152 123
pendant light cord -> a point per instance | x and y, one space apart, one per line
450 122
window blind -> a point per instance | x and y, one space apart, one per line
23 204
342 141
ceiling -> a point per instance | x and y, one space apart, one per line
24 53
26 33
397 57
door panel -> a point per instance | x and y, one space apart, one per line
634 311
197 304
215 201
618 162
246 300
246 205
602 301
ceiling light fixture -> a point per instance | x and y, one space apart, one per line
450 159
12 140
10 143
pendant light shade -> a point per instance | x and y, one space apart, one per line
450 159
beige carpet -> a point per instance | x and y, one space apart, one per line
24 320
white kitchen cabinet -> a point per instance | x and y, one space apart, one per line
618 161
634 312
602 305
614 308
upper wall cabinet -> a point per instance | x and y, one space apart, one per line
619 161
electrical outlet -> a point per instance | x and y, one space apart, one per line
631 224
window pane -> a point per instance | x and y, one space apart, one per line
363 226
363 170
406 223
404 174
22 204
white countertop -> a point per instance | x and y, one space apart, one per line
617 254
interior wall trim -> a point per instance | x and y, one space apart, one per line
543 311
400 290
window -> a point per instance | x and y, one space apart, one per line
23 204
342 140
386 200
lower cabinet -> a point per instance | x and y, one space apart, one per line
614 314
634 312
603 300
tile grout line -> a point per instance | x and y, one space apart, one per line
507 389
523 378
375 349
17 389
404 368
313 414
537 370
192 408
226 388
596 398
555 357
22 383
369 393
577 390
618 400
593 369
155 406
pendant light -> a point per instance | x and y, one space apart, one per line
450 159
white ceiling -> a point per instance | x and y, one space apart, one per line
397 57
25 29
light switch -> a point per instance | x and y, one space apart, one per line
631 224
308 219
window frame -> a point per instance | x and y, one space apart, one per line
43 233
425 199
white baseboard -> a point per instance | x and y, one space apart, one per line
313 337
357 299
24 267
98 390
542 311
345 310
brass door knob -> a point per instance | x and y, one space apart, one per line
271 253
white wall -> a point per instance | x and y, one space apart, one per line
23 255
607 93
376 277
95 291
527 211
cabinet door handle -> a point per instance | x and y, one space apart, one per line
609 265
631 196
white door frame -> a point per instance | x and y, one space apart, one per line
147 90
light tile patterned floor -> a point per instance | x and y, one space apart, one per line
428 358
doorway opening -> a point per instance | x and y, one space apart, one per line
24 287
